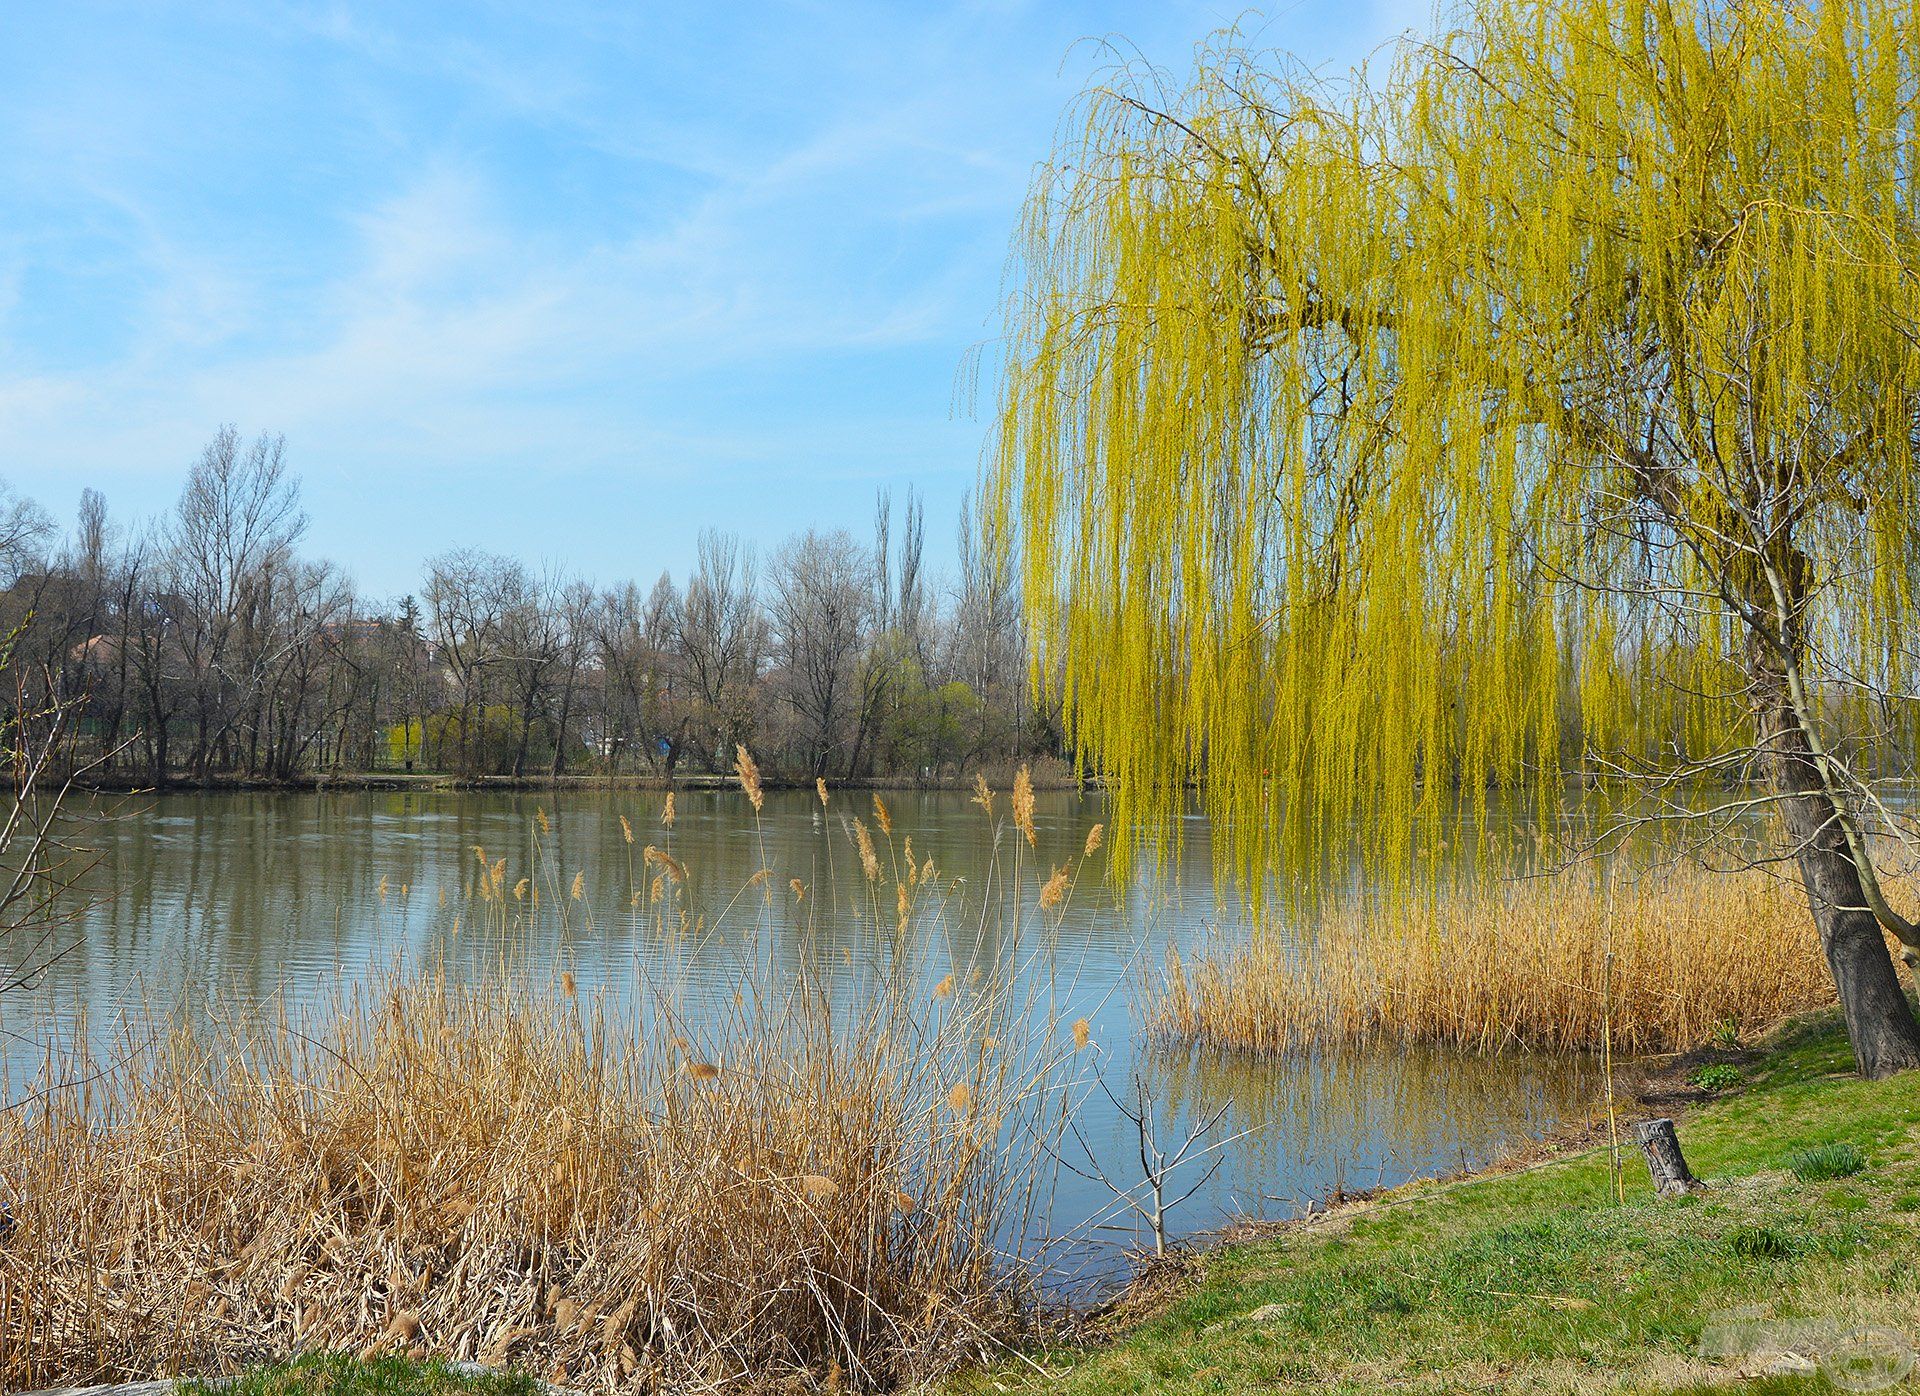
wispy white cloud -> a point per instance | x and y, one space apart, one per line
653 251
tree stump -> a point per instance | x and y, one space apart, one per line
1671 1176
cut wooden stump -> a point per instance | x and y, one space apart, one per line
1661 1145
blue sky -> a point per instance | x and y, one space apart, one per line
564 280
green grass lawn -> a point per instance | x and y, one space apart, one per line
1542 1281
338 1375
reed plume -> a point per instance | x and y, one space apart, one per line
1023 805
669 865
748 775
869 860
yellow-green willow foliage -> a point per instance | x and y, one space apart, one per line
1379 441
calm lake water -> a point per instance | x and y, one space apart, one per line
224 901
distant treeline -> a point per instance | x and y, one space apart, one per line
203 645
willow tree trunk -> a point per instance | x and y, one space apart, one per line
1880 1022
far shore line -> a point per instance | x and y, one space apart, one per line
146 783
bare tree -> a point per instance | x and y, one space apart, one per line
229 542
41 863
24 529
1147 1200
987 648
721 639
575 607
532 639
643 692
210 639
910 608
468 595
821 604
304 659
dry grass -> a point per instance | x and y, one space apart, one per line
1521 964
486 1173
807 1184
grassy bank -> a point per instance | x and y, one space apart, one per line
1545 1279
1656 964
338 1374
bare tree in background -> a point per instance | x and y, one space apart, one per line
666 717
468 595
532 641
910 605
895 672
821 604
575 608
300 662
24 527
721 638
229 542
632 635
206 645
988 651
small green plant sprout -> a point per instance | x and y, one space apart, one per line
1726 1033
1761 1242
1824 1161
1715 1076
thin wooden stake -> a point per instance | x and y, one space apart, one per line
1606 1043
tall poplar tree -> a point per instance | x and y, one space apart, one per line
1543 402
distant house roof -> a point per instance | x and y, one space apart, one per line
96 649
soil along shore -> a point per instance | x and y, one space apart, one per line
1565 1275
1660 964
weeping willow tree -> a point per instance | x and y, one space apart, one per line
1545 406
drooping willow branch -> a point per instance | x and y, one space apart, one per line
1382 446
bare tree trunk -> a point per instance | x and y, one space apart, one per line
526 733
1880 1022
560 736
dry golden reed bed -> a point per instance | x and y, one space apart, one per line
489 1173
1517 964
800 1181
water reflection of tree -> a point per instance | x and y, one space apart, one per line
1323 1120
